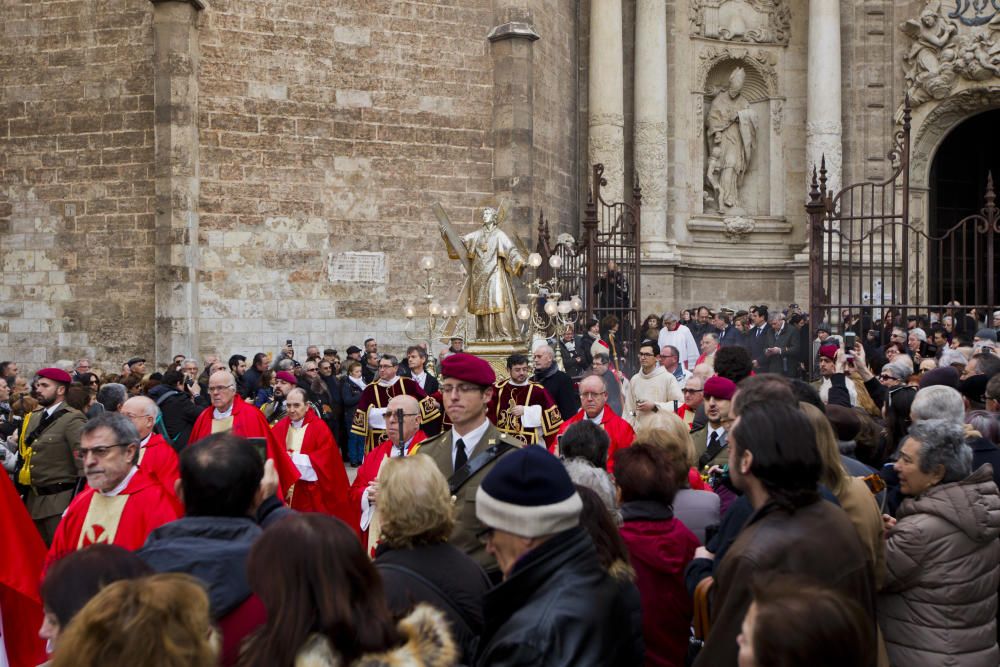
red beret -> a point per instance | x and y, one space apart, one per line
57 374
468 368
829 351
286 376
719 387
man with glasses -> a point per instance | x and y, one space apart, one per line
49 437
470 449
82 367
671 362
323 485
242 419
694 396
651 389
364 489
121 505
601 367
594 398
369 418
523 409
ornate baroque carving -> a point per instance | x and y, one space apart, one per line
948 46
651 162
943 118
763 62
606 146
776 110
736 227
756 21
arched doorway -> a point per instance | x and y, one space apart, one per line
958 174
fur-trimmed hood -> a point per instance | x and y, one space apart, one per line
428 644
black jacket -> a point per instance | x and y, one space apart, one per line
560 388
559 608
350 395
179 414
212 549
457 586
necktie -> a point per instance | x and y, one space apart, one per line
460 456
711 451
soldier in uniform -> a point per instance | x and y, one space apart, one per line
523 408
48 444
274 410
470 449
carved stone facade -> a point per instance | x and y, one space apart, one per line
266 170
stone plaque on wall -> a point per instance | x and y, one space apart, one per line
357 267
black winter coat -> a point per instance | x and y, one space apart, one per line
179 414
559 608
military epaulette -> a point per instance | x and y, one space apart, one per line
434 439
505 439
698 430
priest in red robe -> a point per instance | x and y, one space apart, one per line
156 457
369 418
594 398
522 408
121 505
323 485
364 490
245 421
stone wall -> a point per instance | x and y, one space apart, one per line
76 194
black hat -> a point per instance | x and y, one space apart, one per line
135 360
353 349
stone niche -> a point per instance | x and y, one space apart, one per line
738 118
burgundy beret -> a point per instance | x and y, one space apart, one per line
57 374
829 351
719 387
468 368
286 376
946 375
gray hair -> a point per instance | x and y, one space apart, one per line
583 473
670 317
900 371
919 334
112 395
286 365
190 362
602 358
124 431
776 317
938 402
942 443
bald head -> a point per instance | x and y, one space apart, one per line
593 395
411 418
142 412
222 390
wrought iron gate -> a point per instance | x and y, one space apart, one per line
868 260
609 233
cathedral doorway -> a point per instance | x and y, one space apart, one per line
957 267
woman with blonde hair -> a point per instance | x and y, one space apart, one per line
157 621
853 494
415 560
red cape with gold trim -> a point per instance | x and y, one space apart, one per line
249 422
159 460
507 395
329 493
619 430
126 519
369 471
378 396
20 605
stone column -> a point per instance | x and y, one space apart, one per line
175 104
513 113
651 122
606 138
823 104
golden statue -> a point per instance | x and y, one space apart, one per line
492 260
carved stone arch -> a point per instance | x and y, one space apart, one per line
939 122
762 77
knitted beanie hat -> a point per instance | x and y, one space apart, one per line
528 493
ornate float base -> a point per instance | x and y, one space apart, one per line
497 353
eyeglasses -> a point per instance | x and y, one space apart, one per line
98 452
460 388
592 394
484 536
387 365
646 354
886 376
312 370
392 415
215 390
691 391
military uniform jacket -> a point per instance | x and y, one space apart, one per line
52 459
700 440
467 526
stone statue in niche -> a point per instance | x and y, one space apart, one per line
944 50
732 137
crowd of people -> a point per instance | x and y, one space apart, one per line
687 497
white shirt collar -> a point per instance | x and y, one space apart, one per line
470 439
121 487
721 431
598 419
389 383
145 441
223 415
52 408
298 424
520 384
394 450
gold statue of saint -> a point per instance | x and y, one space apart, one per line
493 259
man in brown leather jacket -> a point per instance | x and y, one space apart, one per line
773 459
